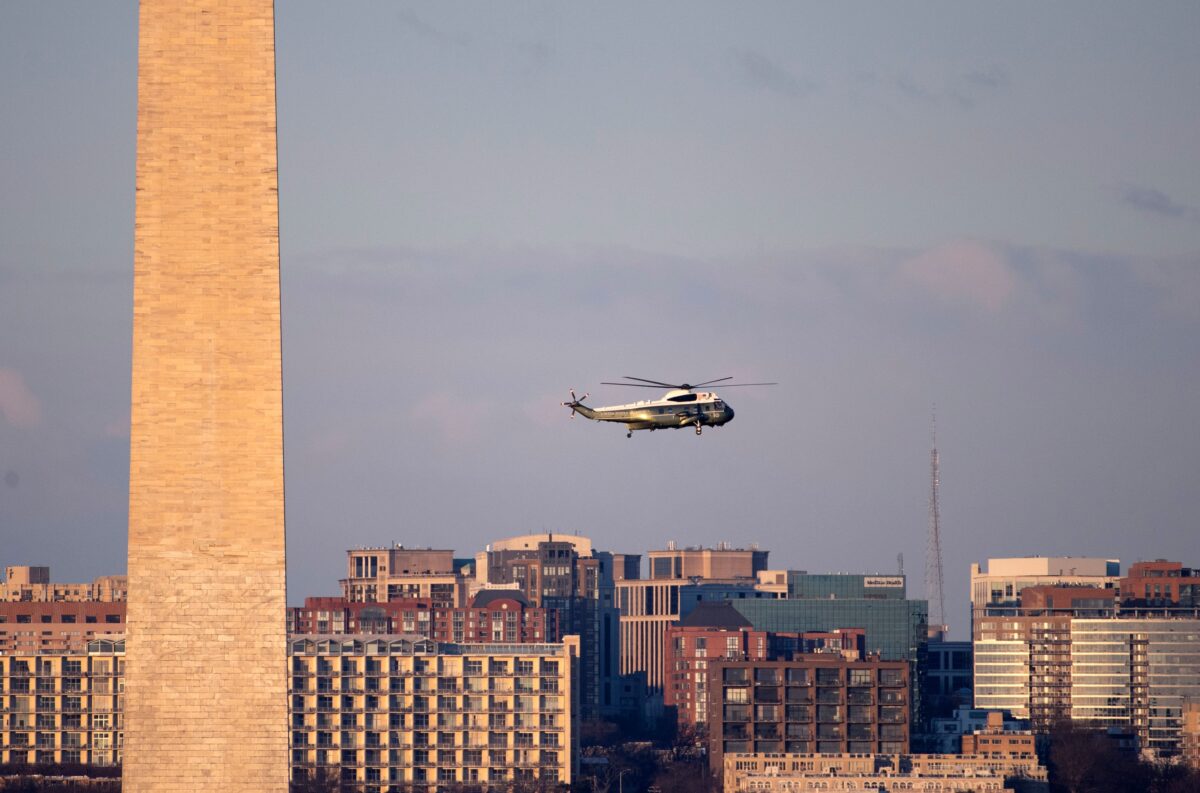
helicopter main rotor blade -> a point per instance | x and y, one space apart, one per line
710 382
644 380
738 385
640 385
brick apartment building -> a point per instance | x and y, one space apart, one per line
811 703
494 615
717 631
28 627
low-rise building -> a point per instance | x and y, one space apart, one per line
390 711
946 733
997 740
879 773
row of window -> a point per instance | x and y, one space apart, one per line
67 619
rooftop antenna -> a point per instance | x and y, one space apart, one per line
933 552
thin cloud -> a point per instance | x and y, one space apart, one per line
990 79
18 404
964 91
964 271
537 54
428 31
761 72
1156 202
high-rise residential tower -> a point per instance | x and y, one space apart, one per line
206 702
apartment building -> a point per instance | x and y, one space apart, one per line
717 631
377 575
811 703
1190 733
679 578
996 588
493 615
385 711
1126 672
565 573
63 707
31 584
29 627
1160 584
708 564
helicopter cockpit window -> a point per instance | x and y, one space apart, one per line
719 405
684 398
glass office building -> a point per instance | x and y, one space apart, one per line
896 627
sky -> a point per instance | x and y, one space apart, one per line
990 208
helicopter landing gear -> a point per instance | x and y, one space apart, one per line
698 428
629 434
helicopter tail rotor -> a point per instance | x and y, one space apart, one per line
575 402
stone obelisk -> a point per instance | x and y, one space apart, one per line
206 695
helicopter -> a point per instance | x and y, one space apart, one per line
682 406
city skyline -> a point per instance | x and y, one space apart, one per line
995 215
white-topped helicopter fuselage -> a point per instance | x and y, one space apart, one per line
677 409
682 406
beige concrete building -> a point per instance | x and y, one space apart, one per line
721 563
206 616
998 584
1190 732
375 712
383 712
879 773
649 606
63 708
29 584
379 575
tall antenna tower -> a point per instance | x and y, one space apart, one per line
933 552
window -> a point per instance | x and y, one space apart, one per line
861 677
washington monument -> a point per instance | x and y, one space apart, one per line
206 666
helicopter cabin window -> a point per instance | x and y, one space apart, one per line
684 398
